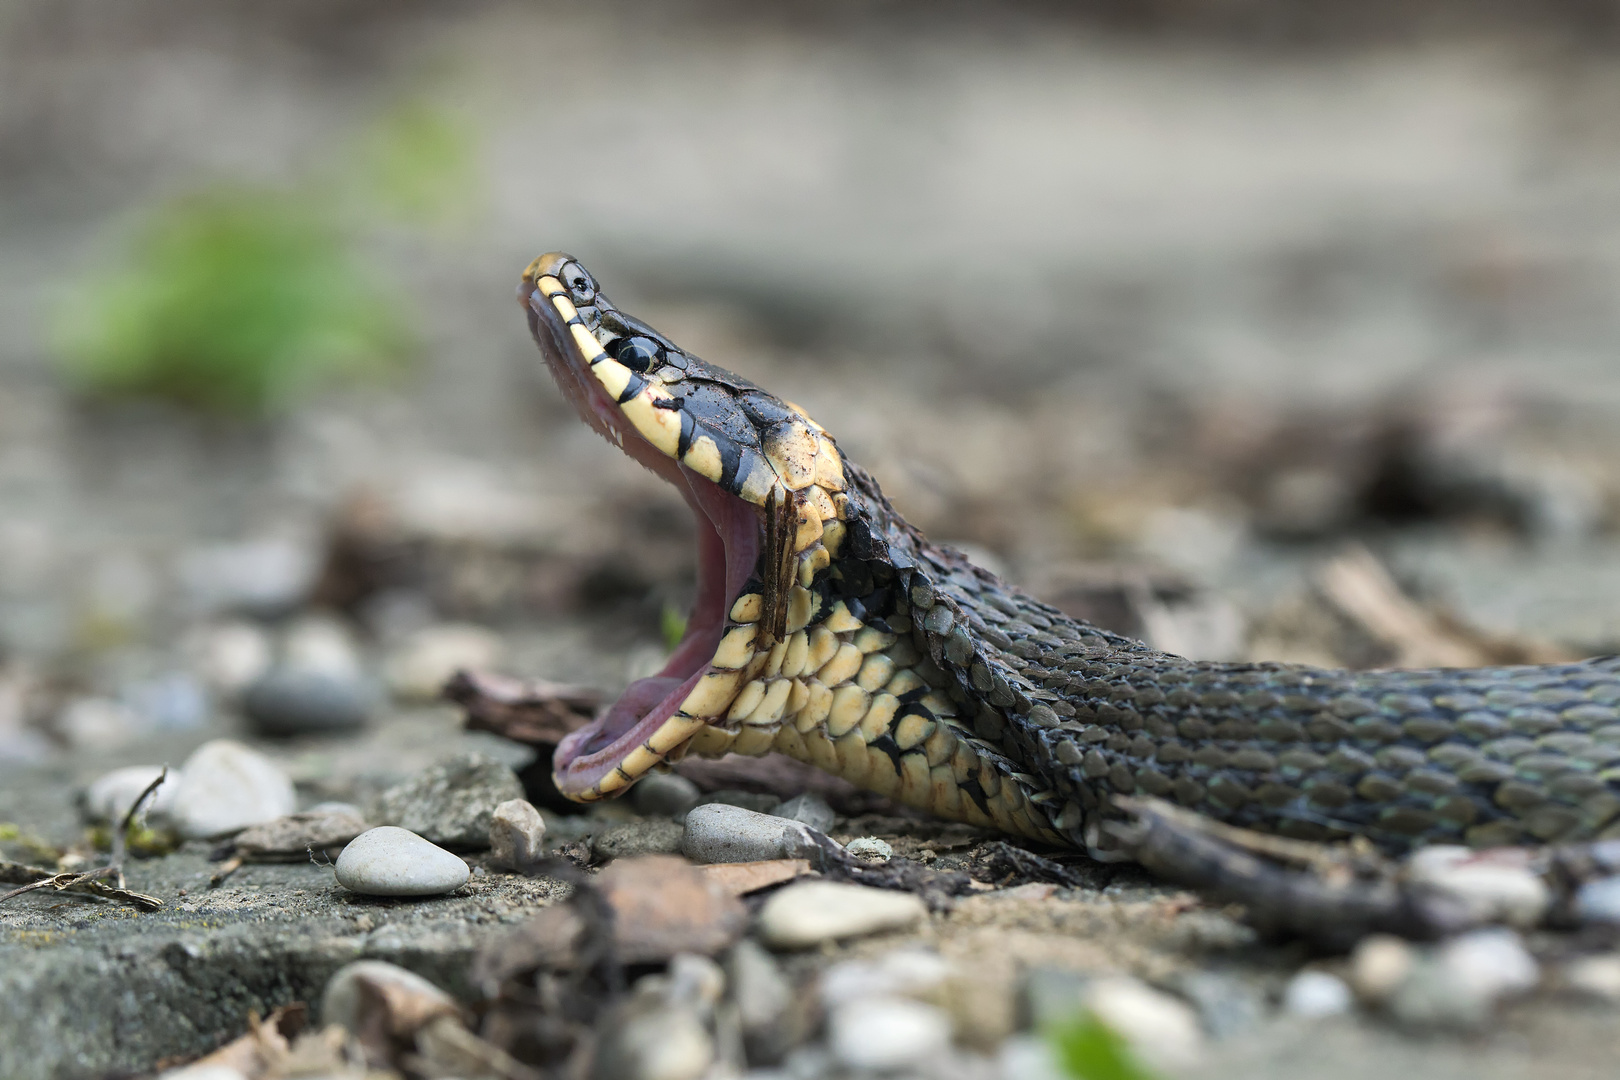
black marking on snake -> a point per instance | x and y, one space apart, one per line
975 791
688 429
910 705
885 742
634 386
730 458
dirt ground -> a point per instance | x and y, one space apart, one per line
1163 321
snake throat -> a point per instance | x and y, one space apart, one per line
829 629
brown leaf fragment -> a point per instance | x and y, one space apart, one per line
740 879
531 711
663 905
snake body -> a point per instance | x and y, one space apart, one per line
851 642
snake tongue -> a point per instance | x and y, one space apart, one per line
728 549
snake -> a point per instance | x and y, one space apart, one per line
827 628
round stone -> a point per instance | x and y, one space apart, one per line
885 1034
720 833
390 861
517 835
287 701
224 787
1314 994
811 912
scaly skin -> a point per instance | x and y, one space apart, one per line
865 650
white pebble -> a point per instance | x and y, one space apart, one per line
390 861
110 797
721 833
1595 977
1493 961
656 1042
811 912
901 973
884 1034
517 835
1379 964
870 848
1162 1030
1491 886
1028 1057
1314 994
1599 901
224 787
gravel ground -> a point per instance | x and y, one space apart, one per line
1106 306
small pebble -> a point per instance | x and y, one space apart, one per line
225 786
900 973
389 861
286 702
1599 901
1315 994
655 1041
658 836
320 643
231 655
1379 964
808 809
1596 977
1162 1030
109 798
517 836
1028 1057
870 848
450 803
1491 886
343 1003
1458 985
810 912
885 1034
668 795
424 662
202 1071
761 991
720 832
1228 1005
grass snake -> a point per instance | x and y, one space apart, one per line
829 629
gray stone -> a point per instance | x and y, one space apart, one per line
450 803
906 972
657 836
808 809
810 912
664 795
720 832
870 848
343 1004
389 861
759 802
885 1034
1228 1006
1162 1030
1458 985
1378 966
1315 994
224 787
517 836
762 993
1491 886
1599 901
654 1039
286 702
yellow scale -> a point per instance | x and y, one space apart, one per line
823 694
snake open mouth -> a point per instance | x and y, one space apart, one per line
765 485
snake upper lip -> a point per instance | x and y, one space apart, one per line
728 548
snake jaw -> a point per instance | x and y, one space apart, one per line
765 483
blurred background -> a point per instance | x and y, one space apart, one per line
1262 330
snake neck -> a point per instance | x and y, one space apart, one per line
928 679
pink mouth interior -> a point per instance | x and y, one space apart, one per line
728 548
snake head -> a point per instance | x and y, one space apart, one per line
765 483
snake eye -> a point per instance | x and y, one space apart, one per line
636 353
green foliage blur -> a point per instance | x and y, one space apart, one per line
239 299
1088 1049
